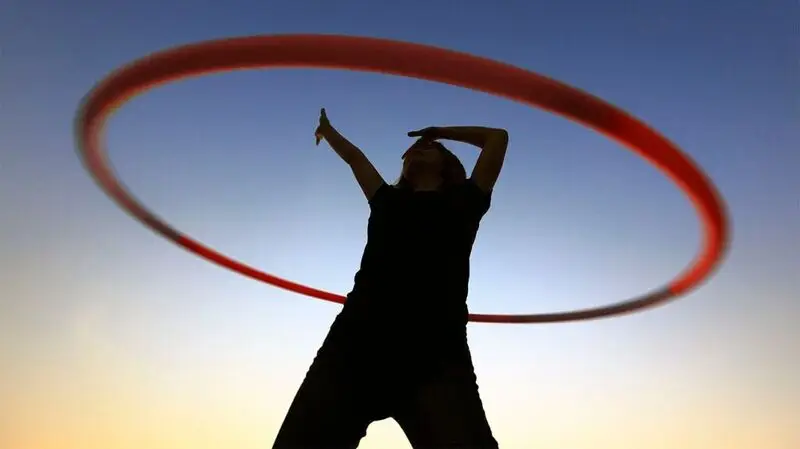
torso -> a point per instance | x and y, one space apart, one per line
414 273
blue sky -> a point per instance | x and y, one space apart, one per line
107 323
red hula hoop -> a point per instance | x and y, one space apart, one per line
416 61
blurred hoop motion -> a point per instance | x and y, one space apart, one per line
416 61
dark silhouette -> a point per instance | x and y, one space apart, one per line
399 346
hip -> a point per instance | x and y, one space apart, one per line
360 338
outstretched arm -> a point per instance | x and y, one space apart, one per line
366 175
492 142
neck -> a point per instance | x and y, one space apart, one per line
425 182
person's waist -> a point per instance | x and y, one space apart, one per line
418 290
423 313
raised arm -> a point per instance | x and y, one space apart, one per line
493 143
366 175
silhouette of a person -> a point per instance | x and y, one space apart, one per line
399 346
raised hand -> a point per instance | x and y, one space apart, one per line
323 127
429 133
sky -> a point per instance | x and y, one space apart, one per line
113 338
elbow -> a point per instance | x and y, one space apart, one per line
498 138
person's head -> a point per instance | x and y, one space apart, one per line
430 163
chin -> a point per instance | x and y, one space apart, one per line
420 167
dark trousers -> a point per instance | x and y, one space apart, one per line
435 400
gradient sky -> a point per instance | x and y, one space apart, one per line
112 338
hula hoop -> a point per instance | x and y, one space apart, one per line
416 61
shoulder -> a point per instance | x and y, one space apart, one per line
384 195
470 196
470 190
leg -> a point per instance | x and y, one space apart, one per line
330 409
446 412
